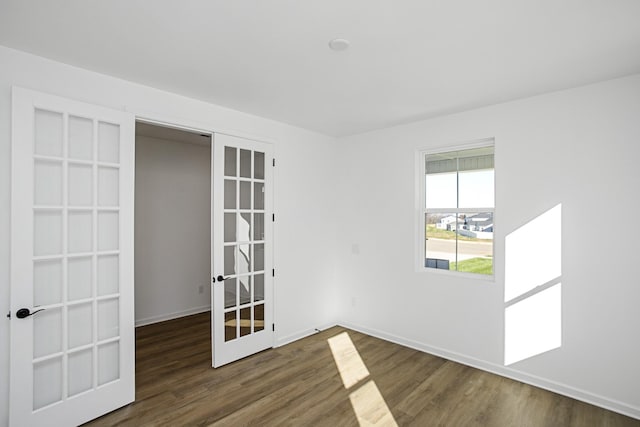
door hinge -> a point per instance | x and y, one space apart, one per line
273 217
273 327
273 272
274 162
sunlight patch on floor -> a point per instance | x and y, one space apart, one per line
370 407
350 365
368 403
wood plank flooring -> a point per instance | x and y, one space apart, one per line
301 385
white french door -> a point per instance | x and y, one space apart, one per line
72 319
242 244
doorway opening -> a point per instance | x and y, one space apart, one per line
172 223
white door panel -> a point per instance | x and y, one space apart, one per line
72 357
242 245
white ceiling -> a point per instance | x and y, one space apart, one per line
408 60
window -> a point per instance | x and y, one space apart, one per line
457 208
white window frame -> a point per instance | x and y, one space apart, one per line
421 210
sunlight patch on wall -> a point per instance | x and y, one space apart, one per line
532 326
533 254
533 293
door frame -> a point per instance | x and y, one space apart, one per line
157 119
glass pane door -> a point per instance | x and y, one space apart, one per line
241 246
71 238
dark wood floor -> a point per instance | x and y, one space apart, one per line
300 385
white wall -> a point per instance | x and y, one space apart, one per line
172 229
304 235
577 147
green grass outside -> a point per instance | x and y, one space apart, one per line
437 233
474 265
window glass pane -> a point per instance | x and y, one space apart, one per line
475 243
441 190
475 189
440 241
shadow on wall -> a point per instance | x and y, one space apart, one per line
532 289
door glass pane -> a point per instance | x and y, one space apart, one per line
258 256
108 182
80 185
258 284
108 362
258 316
108 275
48 133
80 138
80 232
258 226
258 196
108 318
245 321
229 260
47 282
79 278
245 195
245 289
108 142
230 325
244 259
230 161
230 227
245 163
80 325
258 165
244 227
47 382
48 183
108 231
230 293
80 372
229 194
47 233
47 332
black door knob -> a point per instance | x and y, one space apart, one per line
25 312
220 278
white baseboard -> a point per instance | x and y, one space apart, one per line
171 316
563 389
279 342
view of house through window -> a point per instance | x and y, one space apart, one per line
458 210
